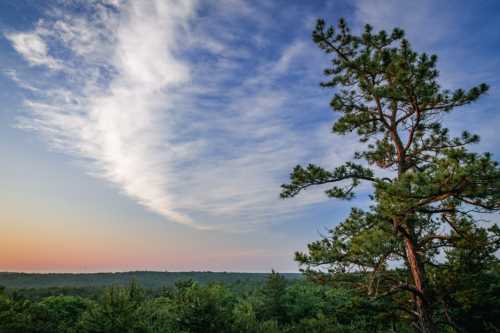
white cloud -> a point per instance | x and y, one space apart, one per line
33 48
116 129
289 55
205 142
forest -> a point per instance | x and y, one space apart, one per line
274 304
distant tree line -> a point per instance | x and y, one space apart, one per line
147 279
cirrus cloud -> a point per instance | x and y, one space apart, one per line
175 110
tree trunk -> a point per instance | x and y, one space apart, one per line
422 307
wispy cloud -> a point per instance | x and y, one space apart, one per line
177 111
111 120
33 49
197 111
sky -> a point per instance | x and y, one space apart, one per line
155 134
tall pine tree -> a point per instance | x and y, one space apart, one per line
425 209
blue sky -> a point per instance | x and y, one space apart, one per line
157 133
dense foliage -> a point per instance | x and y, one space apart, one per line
276 305
431 196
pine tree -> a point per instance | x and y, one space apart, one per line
274 307
433 190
